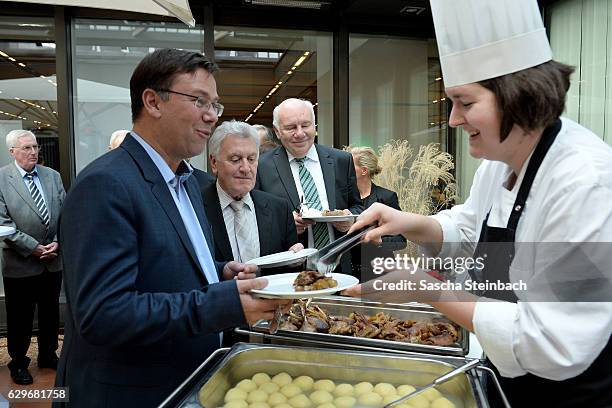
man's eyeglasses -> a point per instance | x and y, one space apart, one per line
200 102
28 149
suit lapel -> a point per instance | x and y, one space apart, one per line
264 222
161 192
48 189
18 184
195 195
284 171
215 216
329 176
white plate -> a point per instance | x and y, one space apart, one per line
281 287
332 218
4 231
282 258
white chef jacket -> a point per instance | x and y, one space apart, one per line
570 201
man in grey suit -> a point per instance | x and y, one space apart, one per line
31 196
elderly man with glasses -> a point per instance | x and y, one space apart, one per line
30 199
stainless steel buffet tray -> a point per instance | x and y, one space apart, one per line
245 360
343 307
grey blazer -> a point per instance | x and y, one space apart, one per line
17 209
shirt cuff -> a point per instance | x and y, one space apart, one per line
450 236
494 324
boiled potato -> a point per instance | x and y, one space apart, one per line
370 399
321 397
257 396
276 398
269 387
384 389
202 396
327 405
403 390
259 405
345 402
344 390
283 405
235 404
261 378
290 390
235 394
304 382
387 399
363 388
324 385
418 401
431 394
247 385
282 379
442 403
300 401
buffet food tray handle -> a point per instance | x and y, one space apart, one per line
442 379
166 403
502 395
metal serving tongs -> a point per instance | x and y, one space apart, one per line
443 378
325 260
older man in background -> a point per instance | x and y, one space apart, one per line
301 171
117 138
31 196
246 223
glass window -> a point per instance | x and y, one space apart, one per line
262 67
105 54
581 35
395 91
28 88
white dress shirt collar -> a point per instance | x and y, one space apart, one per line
311 155
225 199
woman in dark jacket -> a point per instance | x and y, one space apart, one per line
366 167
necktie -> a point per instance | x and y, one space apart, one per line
248 247
38 198
311 196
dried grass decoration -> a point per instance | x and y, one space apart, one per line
424 184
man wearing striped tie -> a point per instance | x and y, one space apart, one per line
31 196
302 171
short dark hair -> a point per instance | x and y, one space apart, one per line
159 69
532 98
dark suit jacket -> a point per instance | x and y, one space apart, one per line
203 178
17 209
141 315
362 255
274 176
274 223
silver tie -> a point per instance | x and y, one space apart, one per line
248 245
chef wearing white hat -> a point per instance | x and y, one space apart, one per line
543 179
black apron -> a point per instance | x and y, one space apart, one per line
592 388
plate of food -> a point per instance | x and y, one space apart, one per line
282 258
326 215
305 284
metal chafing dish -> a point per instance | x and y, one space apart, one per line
337 305
226 367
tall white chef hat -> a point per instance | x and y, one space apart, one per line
483 39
